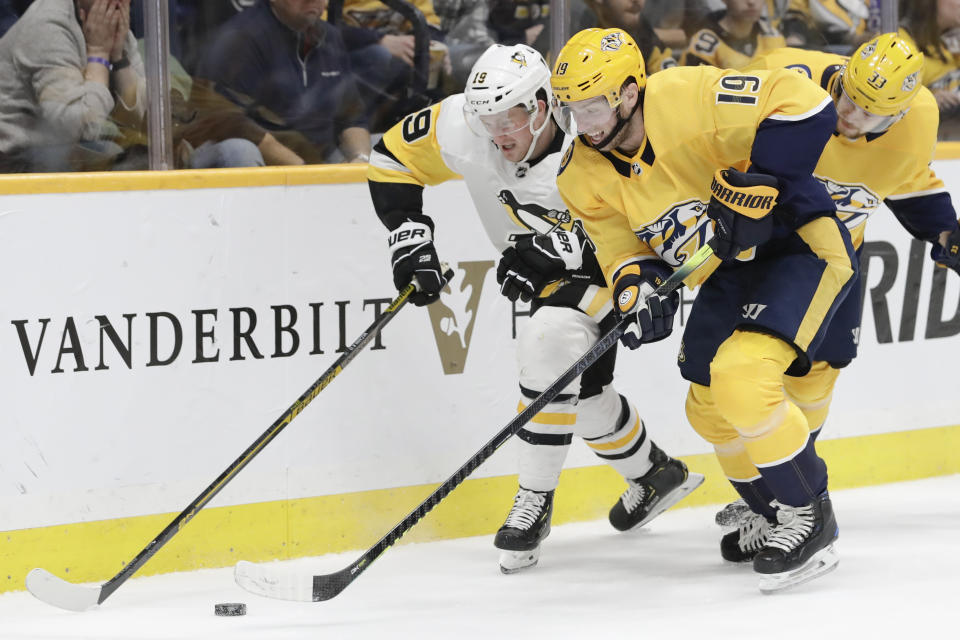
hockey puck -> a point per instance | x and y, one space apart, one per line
230 609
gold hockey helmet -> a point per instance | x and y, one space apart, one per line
883 75
596 62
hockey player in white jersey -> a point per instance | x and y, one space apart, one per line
500 136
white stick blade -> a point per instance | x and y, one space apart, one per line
60 593
271 581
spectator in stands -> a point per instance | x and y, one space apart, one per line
934 26
519 21
66 68
670 17
837 25
289 69
381 44
731 37
628 15
209 131
464 25
8 15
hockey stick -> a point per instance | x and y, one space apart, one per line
276 582
74 597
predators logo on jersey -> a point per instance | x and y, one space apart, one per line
855 202
679 233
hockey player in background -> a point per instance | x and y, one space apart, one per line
884 143
656 162
499 135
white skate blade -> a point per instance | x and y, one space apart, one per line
693 481
822 562
514 561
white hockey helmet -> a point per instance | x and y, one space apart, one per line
502 78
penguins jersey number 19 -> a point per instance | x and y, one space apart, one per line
436 145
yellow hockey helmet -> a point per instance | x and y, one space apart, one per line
596 62
883 75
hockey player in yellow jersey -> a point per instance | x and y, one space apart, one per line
882 150
699 155
500 137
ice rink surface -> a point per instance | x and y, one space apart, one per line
899 577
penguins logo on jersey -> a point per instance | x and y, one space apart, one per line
854 202
679 233
520 59
611 42
532 216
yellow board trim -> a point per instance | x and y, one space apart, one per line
16 184
219 537
27 183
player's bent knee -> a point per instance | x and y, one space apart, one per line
704 417
602 414
550 341
746 377
813 392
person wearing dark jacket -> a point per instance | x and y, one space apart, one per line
290 71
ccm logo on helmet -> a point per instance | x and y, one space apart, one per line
739 198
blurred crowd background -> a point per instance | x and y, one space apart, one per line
106 85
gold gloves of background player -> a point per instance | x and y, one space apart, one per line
650 315
740 205
537 260
948 256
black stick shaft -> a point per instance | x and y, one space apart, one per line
258 445
328 586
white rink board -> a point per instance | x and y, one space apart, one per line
112 441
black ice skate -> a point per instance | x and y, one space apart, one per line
743 543
526 526
665 484
800 547
731 514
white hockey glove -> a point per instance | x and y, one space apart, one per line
651 315
415 257
537 260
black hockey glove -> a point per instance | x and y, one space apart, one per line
415 257
740 207
651 315
537 260
948 256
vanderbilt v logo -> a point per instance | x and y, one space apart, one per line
454 315
753 310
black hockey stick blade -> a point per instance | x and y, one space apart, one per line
74 597
273 581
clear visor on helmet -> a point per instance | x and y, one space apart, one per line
861 119
503 123
585 116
